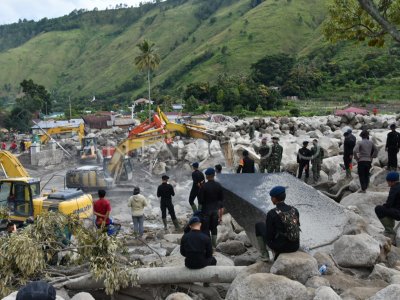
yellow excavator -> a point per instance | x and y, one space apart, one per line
119 168
45 138
22 196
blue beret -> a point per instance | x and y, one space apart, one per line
194 220
277 190
195 165
392 176
210 171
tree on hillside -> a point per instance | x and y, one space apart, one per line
359 20
36 97
148 60
272 69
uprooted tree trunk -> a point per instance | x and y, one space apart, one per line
165 275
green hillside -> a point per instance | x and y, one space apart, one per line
92 53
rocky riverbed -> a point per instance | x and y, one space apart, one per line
361 262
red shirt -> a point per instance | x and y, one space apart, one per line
102 206
3 146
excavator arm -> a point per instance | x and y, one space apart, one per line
11 166
168 131
62 129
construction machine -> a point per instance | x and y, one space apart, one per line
119 167
21 194
89 152
47 134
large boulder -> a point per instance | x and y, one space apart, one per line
297 266
365 204
317 281
231 247
359 250
262 286
178 296
384 273
82 296
359 293
326 293
390 292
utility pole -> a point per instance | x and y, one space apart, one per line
70 111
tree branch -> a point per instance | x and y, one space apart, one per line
370 7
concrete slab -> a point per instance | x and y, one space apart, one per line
247 200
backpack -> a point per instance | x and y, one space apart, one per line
291 223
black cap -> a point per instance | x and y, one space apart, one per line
245 153
393 126
164 177
37 290
136 190
305 143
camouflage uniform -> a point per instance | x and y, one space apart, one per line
264 152
274 163
316 161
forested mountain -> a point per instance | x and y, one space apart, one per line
90 53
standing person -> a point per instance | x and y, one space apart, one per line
264 152
303 159
211 198
252 131
364 152
22 146
390 211
196 247
281 230
165 192
3 145
316 161
13 146
246 164
348 146
218 169
274 164
102 210
137 203
198 180
392 147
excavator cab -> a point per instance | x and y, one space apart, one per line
89 151
17 194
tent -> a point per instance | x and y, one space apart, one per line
355 110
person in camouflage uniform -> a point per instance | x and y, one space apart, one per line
264 152
274 163
316 160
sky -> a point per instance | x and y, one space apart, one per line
12 10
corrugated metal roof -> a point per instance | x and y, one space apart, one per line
57 123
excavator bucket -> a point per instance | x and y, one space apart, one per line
246 198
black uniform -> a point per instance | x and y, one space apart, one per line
198 178
246 165
392 147
303 162
197 250
273 231
348 146
211 198
166 191
391 208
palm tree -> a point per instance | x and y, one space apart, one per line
148 60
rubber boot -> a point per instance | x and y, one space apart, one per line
165 224
194 207
214 241
388 223
176 224
263 249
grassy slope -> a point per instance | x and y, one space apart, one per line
93 60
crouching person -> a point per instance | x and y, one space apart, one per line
281 230
389 212
196 247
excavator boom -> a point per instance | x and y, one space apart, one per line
11 166
62 129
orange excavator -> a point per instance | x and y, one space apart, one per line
146 125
